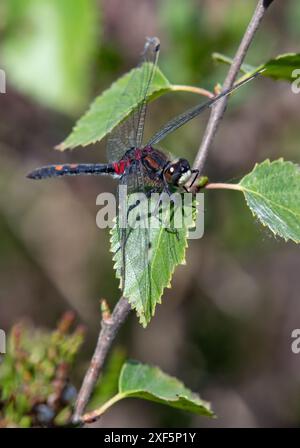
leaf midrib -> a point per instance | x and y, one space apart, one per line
244 189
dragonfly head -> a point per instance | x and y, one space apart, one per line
178 172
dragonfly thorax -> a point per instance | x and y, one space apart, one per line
156 165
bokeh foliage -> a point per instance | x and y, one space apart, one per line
235 276
35 387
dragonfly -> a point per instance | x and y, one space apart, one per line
141 167
127 156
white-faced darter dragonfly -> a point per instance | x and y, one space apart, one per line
126 153
142 168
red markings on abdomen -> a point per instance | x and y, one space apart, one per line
119 167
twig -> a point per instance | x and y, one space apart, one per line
192 89
109 330
219 109
223 186
92 416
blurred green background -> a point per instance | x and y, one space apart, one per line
225 326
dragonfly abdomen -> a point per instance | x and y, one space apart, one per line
73 169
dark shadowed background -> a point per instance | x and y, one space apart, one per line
225 326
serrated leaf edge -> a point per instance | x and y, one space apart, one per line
132 303
63 145
247 190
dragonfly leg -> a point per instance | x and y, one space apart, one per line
196 172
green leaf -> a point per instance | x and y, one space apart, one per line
245 68
112 107
150 253
48 47
272 191
280 68
138 380
150 383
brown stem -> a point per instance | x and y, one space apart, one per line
109 330
92 416
223 186
192 89
219 109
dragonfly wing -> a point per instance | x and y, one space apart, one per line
146 233
134 242
130 132
188 115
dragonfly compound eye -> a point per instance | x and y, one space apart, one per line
178 173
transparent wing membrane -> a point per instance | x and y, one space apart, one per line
127 135
134 240
188 115
130 132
